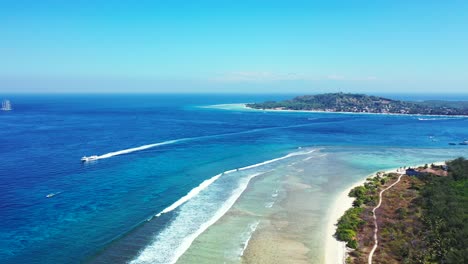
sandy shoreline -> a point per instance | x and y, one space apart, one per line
361 113
245 107
336 251
289 214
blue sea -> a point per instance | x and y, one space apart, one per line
170 166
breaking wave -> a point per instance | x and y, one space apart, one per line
249 233
200 208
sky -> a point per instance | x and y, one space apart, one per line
233 46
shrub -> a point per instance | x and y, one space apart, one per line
357 203
402 213
352 244
345 234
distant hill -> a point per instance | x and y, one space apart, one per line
361 103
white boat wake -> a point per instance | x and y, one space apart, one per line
130 150
168 142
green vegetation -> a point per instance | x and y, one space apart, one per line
367 194
445 215
438 103
423 219
349 224
341 102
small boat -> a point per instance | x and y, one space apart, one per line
50 195
90 158
463 143
452 144
6 106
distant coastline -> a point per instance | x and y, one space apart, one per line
244 106
247 107
364 104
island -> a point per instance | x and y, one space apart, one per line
409 215
361 103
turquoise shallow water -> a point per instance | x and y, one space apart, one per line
288 208
105 211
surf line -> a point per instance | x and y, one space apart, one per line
151 253
252 229
168 142
209 181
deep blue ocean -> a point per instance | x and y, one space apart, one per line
99 203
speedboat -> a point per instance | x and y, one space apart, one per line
50 195
90 158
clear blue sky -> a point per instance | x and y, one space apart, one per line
234 46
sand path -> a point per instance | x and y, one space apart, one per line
376 230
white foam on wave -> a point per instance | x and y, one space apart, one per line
271 203
277 159
199 209
251 231
153 253
207 183
275 194
190 195
439 118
